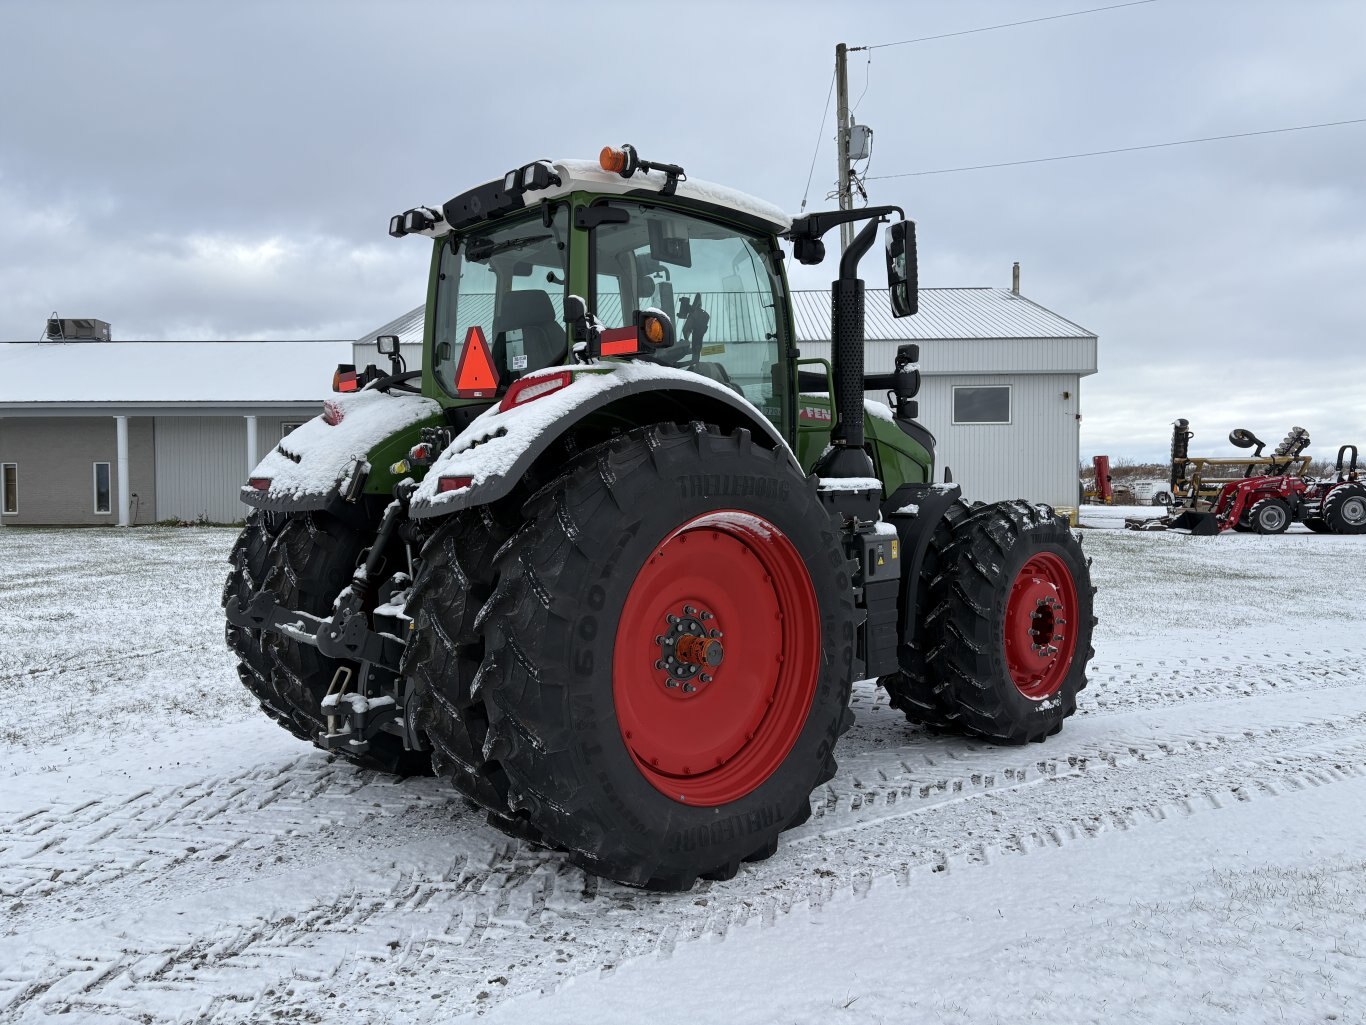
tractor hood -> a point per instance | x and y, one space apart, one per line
487 459
306 468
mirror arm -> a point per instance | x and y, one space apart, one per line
858 248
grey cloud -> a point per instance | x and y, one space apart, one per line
150 147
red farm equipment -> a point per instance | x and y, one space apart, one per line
1274 491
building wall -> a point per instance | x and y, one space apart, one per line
1033 457
55 457
201 463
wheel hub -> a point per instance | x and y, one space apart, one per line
689 651
1040 639
716 658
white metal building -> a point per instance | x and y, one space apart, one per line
107 432
1001 381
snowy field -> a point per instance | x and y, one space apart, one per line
1192 847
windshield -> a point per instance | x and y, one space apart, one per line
506 281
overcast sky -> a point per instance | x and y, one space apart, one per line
193 170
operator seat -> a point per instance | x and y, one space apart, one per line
543 339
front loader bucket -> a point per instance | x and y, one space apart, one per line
1202 524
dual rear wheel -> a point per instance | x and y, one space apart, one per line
652 671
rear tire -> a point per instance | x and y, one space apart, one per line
1344 510
1011 622
445 650
250 559
639 780
1269 516
309 562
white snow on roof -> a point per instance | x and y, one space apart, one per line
945 313
223 372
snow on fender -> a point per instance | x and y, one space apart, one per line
304 468
486 460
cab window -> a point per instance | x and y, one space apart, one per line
718 284
508 281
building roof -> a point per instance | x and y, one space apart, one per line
160 373
945 313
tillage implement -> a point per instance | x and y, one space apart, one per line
611 560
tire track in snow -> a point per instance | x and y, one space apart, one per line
371 930
101 851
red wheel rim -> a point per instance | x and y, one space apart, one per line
716 657
1040 627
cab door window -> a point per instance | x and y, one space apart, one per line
718 284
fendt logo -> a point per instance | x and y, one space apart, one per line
817 413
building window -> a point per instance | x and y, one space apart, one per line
103 501
285 428
9 488
990 405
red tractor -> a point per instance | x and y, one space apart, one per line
1269 504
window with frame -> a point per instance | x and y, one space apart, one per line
9 488
506 281
984 404
719 285
285 428
104 502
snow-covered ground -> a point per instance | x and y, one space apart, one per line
1192 847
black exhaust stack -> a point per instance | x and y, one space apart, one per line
847 456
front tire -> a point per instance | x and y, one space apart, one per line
668 656
1269 516
1010 627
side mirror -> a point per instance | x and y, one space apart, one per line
906 381
387 345
903 278
581 330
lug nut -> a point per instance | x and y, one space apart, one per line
688 688
706 678
671 684
688 610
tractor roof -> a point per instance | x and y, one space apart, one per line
540 180
588 176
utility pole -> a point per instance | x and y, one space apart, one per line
842 139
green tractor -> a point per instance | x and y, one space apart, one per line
612 559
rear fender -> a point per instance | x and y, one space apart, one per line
500 447
915 510
319 460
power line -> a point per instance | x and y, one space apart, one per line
1008 24
819 135
1121 149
